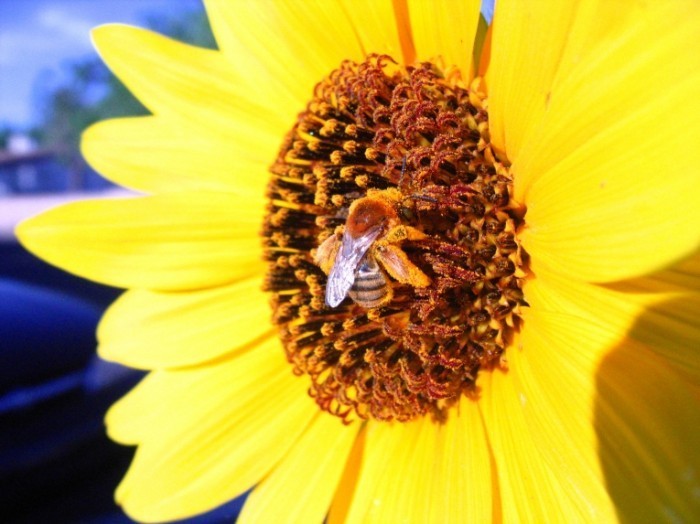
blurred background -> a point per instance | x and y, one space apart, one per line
56 464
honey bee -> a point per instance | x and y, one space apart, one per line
359 255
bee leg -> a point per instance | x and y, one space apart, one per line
400 233
397 264
325 254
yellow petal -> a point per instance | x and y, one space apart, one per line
540 426
382 27
672 330
445 28
526 46
301 486
668 302
688 271
343 496
616 309
544 414
209 433
481 54
683 276
273 56
608 173
552 293
420 472
195 86
167 242
155 330
670 326
648 427
158 155
658 311
463 466
129 420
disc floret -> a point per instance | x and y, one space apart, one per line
388 182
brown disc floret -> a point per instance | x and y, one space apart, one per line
420 136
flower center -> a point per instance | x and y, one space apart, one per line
394 266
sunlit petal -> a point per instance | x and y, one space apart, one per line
420 471
157 330
445 29
156 155
607 176
304 482
167 242
207 434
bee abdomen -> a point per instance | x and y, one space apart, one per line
370 288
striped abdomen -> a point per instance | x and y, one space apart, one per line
371 287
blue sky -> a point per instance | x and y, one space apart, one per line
38 37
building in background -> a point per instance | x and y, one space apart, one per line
28 169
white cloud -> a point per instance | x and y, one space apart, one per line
65 26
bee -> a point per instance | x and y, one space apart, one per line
360 256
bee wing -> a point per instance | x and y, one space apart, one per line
342 275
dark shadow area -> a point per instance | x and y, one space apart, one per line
17 264
56 462
648 423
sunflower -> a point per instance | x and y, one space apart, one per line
525 221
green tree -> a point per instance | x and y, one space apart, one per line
5 133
